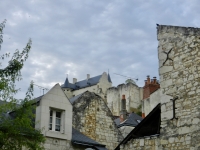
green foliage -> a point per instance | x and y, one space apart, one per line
16 117
139 111
129 81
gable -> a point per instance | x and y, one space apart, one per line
52 103
93 118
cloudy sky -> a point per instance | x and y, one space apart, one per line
79 37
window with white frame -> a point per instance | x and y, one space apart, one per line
55 120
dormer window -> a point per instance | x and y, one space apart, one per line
55 120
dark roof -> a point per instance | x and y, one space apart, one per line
109 79
73 99
132 120
81 84
81 139
149 126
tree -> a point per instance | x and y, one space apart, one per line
16 116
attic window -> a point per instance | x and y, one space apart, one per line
55 120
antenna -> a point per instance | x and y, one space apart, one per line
43 88
127 77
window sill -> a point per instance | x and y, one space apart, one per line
56 134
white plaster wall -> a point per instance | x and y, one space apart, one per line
150 103
68 92
55 99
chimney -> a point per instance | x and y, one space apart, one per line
88 76
148 79
74 80
150 86
123 112
154 80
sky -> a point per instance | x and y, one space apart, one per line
80 37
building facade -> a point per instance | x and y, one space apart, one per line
179 53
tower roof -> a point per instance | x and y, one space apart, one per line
109 79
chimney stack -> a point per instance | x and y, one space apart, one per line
123 112
150 86
88 76
74 80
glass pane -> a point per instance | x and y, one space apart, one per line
57 121
51 112
58 114
57 128
50 120
50 126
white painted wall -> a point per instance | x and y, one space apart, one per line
55 99
150 103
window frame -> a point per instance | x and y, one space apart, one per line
53 119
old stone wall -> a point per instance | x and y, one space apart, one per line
92 117
132 93
59 144
179 69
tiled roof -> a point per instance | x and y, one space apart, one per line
81 139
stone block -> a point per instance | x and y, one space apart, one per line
166 115
171 140
184 130
141 142
166 83
165 69
163 142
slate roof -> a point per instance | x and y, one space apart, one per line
149 126
73 99
132 120
81 139
109 79
84 83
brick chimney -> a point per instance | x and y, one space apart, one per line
150 86
123 112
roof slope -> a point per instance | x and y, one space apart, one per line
73 99
81 139
81 84
149 126
132 120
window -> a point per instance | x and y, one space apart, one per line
55 120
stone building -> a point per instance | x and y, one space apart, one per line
176 118
98 84
92 117
133 94
54 113
151 95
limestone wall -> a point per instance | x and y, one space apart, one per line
179 69
92 117
133 97
59 144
